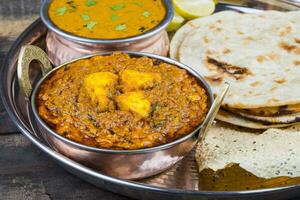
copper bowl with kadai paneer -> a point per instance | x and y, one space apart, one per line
81 27
129 115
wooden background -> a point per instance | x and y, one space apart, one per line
25 172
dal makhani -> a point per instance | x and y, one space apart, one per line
122 102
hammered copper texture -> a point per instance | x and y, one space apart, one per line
61 50
184 175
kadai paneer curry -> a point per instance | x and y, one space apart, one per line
122 102
106 19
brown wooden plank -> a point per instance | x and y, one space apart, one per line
27 173
9 30
19 8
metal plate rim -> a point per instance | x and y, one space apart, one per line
69 163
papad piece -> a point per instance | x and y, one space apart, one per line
273 153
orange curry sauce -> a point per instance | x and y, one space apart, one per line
121 102
106 19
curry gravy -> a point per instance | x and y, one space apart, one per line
121 102
106 19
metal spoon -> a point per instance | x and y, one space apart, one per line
213 112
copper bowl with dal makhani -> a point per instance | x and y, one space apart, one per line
82 27
122 102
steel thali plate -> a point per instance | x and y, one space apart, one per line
179 182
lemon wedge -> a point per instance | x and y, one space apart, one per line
176 22
191 9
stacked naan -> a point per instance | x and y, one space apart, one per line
258 54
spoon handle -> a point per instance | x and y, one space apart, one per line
213 112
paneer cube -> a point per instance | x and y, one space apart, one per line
133 80
98 86
134 102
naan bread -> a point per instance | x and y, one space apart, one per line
270 111
237 120
195 24
258 54
276 119
274 153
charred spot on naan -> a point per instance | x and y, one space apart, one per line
226 51
280 80
205 39
215 27
249 38
236 72
286 31
268 57
214 80
297 62
256 83
289 48
240 32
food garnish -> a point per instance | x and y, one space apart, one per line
61 11
90 2
191 9
91 25
176 22
118 6
85 17
121 27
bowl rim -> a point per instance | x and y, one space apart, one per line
155 30
191 71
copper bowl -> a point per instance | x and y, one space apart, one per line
62 46
126 164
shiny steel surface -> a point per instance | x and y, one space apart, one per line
180 182
211 115
63 46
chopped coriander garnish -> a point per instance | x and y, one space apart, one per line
156 106
118 6
139 4
120 27
61 11
85 17
115 17
146 14
90 2
91 25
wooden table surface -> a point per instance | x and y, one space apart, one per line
26 173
